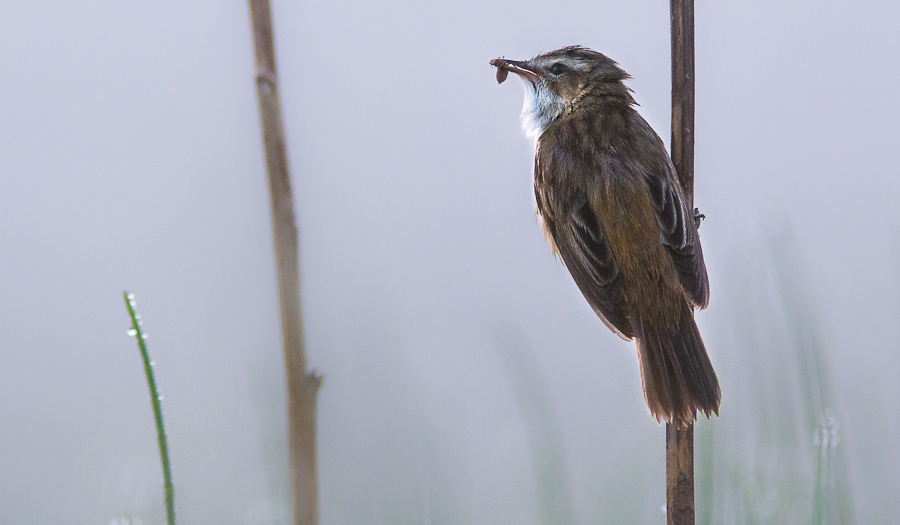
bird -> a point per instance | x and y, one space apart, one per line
613 210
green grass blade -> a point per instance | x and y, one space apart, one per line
155 401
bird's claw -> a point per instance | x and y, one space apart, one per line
698 217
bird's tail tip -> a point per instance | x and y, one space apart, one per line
677 375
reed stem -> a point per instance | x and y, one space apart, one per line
680 440
302 386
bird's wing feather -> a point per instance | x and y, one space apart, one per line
678 232
581 243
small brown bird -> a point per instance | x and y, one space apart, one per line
614 211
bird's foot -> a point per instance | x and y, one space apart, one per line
698 217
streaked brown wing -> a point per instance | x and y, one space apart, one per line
678 232
584 248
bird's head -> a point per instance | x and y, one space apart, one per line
558 81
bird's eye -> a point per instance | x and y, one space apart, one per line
558 68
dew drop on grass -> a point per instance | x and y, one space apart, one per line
132 332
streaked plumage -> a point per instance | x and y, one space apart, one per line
614 211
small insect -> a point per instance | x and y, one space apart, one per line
502 72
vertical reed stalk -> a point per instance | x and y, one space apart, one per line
679 474
302 387
682 17
680 441
155 401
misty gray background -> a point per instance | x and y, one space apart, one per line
131 159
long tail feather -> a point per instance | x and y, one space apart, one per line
677 375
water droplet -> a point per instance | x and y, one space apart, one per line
137 316
130 296
145 336
827 435
160 397
152 363
132 332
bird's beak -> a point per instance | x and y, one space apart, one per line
523 69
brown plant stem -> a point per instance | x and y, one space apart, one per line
302 386
679 474
680 440
683 94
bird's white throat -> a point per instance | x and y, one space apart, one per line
541 108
